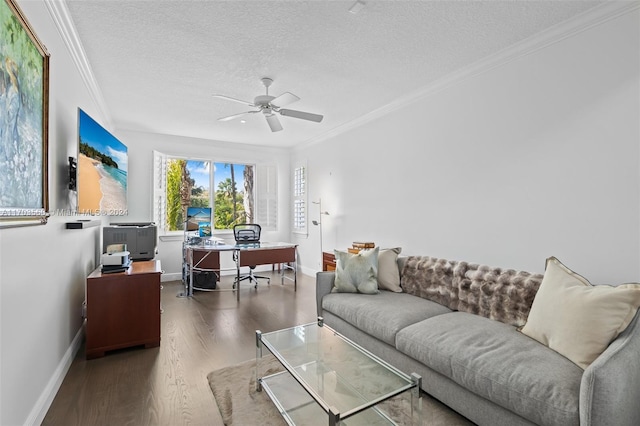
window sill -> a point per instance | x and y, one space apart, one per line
169 237
180 236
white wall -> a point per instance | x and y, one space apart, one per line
535 157
141 146
43 268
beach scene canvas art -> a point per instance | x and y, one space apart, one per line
102 170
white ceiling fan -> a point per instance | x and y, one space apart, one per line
270 106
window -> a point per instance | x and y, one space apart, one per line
299 200
226 187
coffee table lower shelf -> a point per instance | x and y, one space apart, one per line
298 408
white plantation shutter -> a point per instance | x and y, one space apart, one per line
160 190
267 196
300 200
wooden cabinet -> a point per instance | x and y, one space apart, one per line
328 261
123 309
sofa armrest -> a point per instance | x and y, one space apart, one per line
610 387
324 284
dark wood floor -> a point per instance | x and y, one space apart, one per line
168 385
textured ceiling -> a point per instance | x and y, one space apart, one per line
158 63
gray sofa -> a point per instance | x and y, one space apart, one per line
456 324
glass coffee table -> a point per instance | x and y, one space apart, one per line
329 379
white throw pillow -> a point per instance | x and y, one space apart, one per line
576 319
356 273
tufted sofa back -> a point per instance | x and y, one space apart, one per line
500 294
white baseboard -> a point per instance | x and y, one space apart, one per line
177 276
39 411
307 271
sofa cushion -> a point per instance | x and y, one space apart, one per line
578 319
500 294
496 362
381 315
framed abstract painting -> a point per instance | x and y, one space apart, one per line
24 121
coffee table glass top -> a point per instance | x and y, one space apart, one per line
338 374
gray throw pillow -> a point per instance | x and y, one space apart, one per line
356 273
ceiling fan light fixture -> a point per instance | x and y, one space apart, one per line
273 122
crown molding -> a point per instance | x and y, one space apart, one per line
582 22
591 18
67 30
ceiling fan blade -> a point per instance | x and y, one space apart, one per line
301 114
233 99
231 117
274 123
285 99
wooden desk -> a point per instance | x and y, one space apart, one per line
269 253
267 256
262 253
123 309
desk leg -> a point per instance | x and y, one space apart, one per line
293 265
190 293
187 292
237 256
295 270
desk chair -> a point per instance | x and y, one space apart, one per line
248 233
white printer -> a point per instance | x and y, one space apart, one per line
116 255
118 258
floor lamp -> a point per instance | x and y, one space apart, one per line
319 223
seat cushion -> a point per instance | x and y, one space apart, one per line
381 315
495 361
